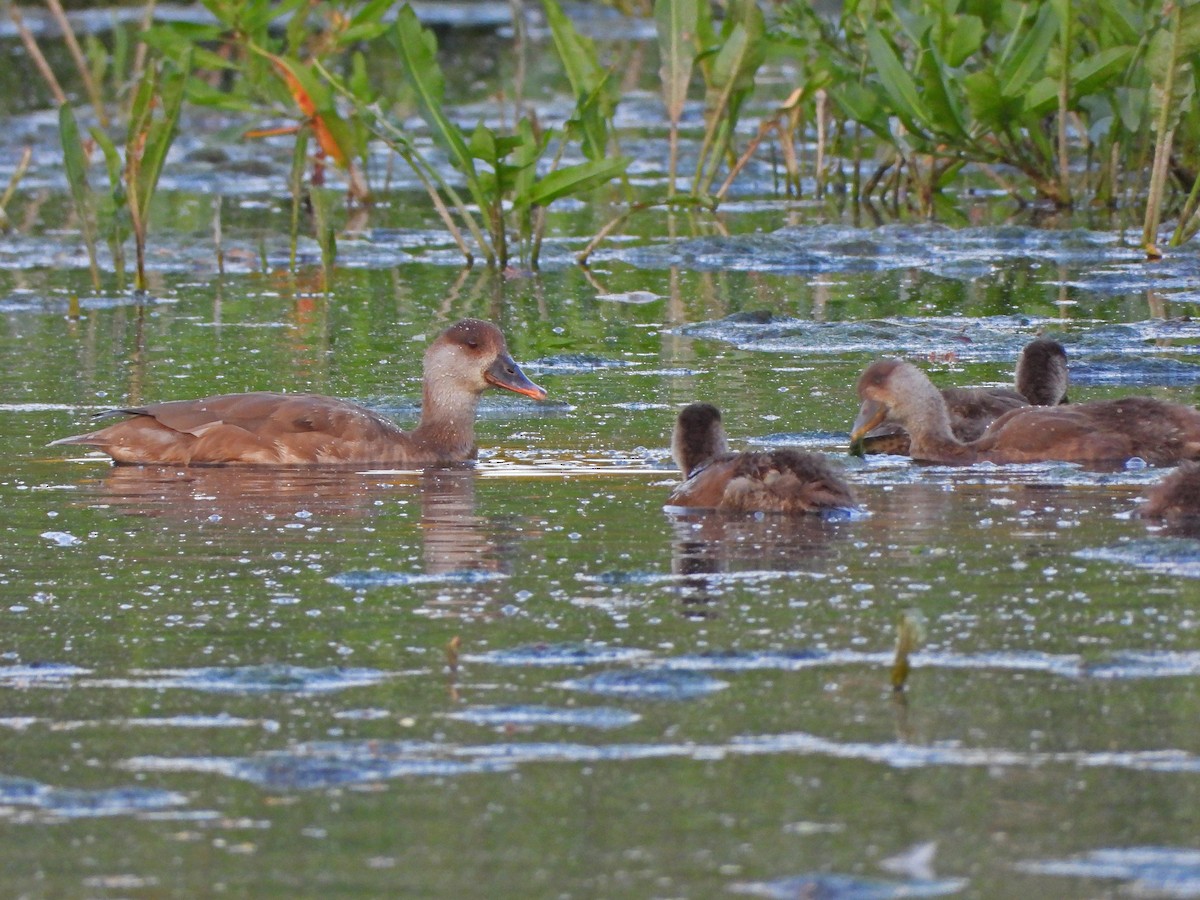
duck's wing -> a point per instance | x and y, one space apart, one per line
256 428
706 488
972 410
1103 431
786 481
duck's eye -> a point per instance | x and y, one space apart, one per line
472 343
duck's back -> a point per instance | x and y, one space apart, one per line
785 481
261 428
1159 432
1177 497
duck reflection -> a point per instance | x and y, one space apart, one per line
709 547
453 537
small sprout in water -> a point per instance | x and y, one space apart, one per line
452 653
910 634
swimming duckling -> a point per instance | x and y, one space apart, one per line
1177 497
778 481
1103 431
1041 380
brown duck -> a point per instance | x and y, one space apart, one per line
1100 432
272 429
1041 380
1177 497
777 481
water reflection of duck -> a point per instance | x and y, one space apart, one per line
778 481
273 429
1041 380
1100 432
1177 497
278 501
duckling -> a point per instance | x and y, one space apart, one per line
1100 432
1177 497
777 481
1041 380
275 429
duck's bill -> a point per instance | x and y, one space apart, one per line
870 415
504 373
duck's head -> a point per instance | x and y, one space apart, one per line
899 390
472 355
698 437
1042 376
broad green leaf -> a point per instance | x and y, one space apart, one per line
1028 55
1087 76
988 104
577 179
74 162
594 98
159 134
676 22
941 96
862 105
734 65
895 80
964 40
417 50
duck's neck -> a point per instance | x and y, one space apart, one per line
927 422
693 453
447 427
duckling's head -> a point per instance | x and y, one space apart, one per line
469 357
1042 376
698 438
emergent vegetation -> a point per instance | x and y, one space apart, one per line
1087 102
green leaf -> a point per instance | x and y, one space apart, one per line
577 179
989 106
1028 54
896 81
417 51
964 40
862 105
676 22
1086 77
941 98
75 164
594 100
159 133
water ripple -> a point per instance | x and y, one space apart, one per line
588 717
566 654
369 579
250 679
647 684
1177 556
77 803
848 887
1157 871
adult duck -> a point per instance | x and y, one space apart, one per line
1100 432
1041 380
1176 498
273 429
777 481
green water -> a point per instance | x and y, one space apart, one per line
145 579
